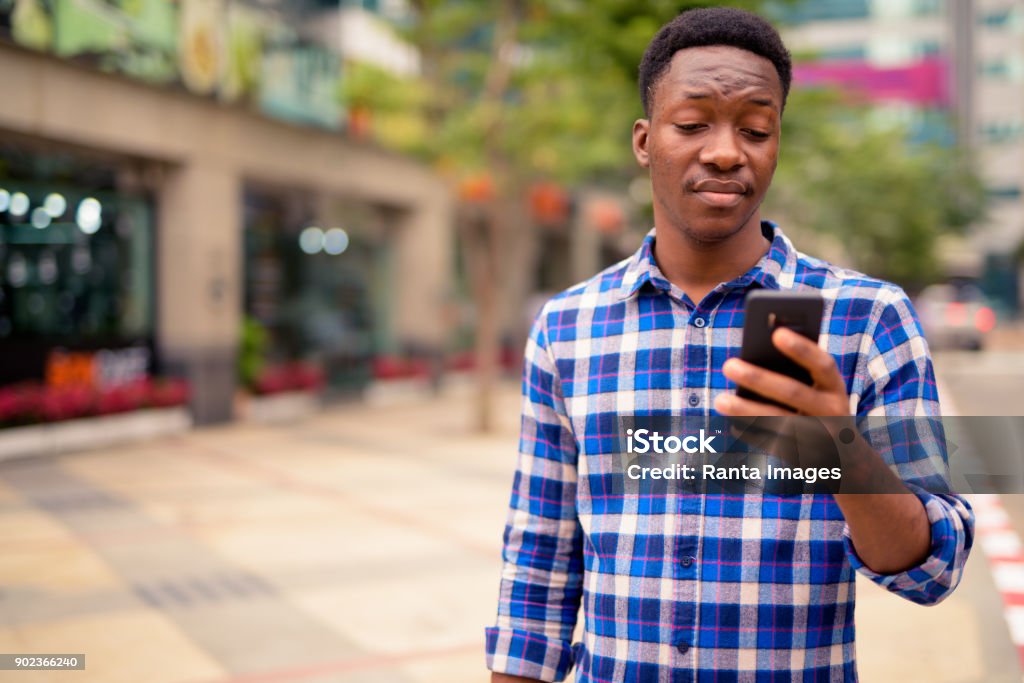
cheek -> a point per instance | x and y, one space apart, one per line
768 162
666 159
661 166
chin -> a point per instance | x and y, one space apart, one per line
712 226
713 230
700 224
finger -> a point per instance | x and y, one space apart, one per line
731 404
781 388
810 356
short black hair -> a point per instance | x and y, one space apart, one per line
713 26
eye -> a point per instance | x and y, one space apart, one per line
758 134
688 127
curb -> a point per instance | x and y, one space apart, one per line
1005 552
91 433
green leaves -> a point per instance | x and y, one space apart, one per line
885 199
568 107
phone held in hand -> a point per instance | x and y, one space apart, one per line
766 310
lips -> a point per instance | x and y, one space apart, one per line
720 193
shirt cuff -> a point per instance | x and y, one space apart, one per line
531 655
930 581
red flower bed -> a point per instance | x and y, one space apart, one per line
296 376
398 367
463 360
33 402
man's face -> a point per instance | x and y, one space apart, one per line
712 140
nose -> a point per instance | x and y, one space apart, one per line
722 150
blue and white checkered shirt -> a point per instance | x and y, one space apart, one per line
687 587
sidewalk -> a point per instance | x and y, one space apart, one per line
360 546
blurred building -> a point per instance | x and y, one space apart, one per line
994 125
169 169
361 30
953 72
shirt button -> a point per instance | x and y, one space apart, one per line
700 322
694 400
686 561
683 648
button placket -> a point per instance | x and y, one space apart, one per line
698 337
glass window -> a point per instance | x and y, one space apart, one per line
902 9
820 10
1005 192
1001 132
924 8
998 18
318 287
1003 68
993 68
76 257
842 52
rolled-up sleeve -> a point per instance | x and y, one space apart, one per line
952 522
901 389
541 579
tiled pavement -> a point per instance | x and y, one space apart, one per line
361 545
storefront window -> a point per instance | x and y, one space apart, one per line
310 283
76 259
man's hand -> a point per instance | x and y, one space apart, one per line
890 531
800 442
827 397
505 678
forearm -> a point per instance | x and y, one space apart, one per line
890 531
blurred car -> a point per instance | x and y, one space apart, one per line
955 317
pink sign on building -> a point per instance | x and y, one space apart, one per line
923 83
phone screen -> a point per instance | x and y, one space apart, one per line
764 312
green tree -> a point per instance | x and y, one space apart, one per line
514 91
886 199
521 90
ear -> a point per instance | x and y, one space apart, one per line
640 129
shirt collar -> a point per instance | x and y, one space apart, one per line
772 271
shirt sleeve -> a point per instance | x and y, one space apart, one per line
902 390
542 573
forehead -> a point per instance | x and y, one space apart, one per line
719 71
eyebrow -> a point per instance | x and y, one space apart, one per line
759 100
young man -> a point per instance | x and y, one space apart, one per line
710 587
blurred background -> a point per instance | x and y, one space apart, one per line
267 268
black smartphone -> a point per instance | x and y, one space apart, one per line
766 310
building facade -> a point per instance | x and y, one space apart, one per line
155 196
953 71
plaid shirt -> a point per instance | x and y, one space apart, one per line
685 587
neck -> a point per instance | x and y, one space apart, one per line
698 267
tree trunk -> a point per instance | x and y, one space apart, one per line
487 253
479 236
482 221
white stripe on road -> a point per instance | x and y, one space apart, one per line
1002 545
1000 542
1009 575
995 519
1015 618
